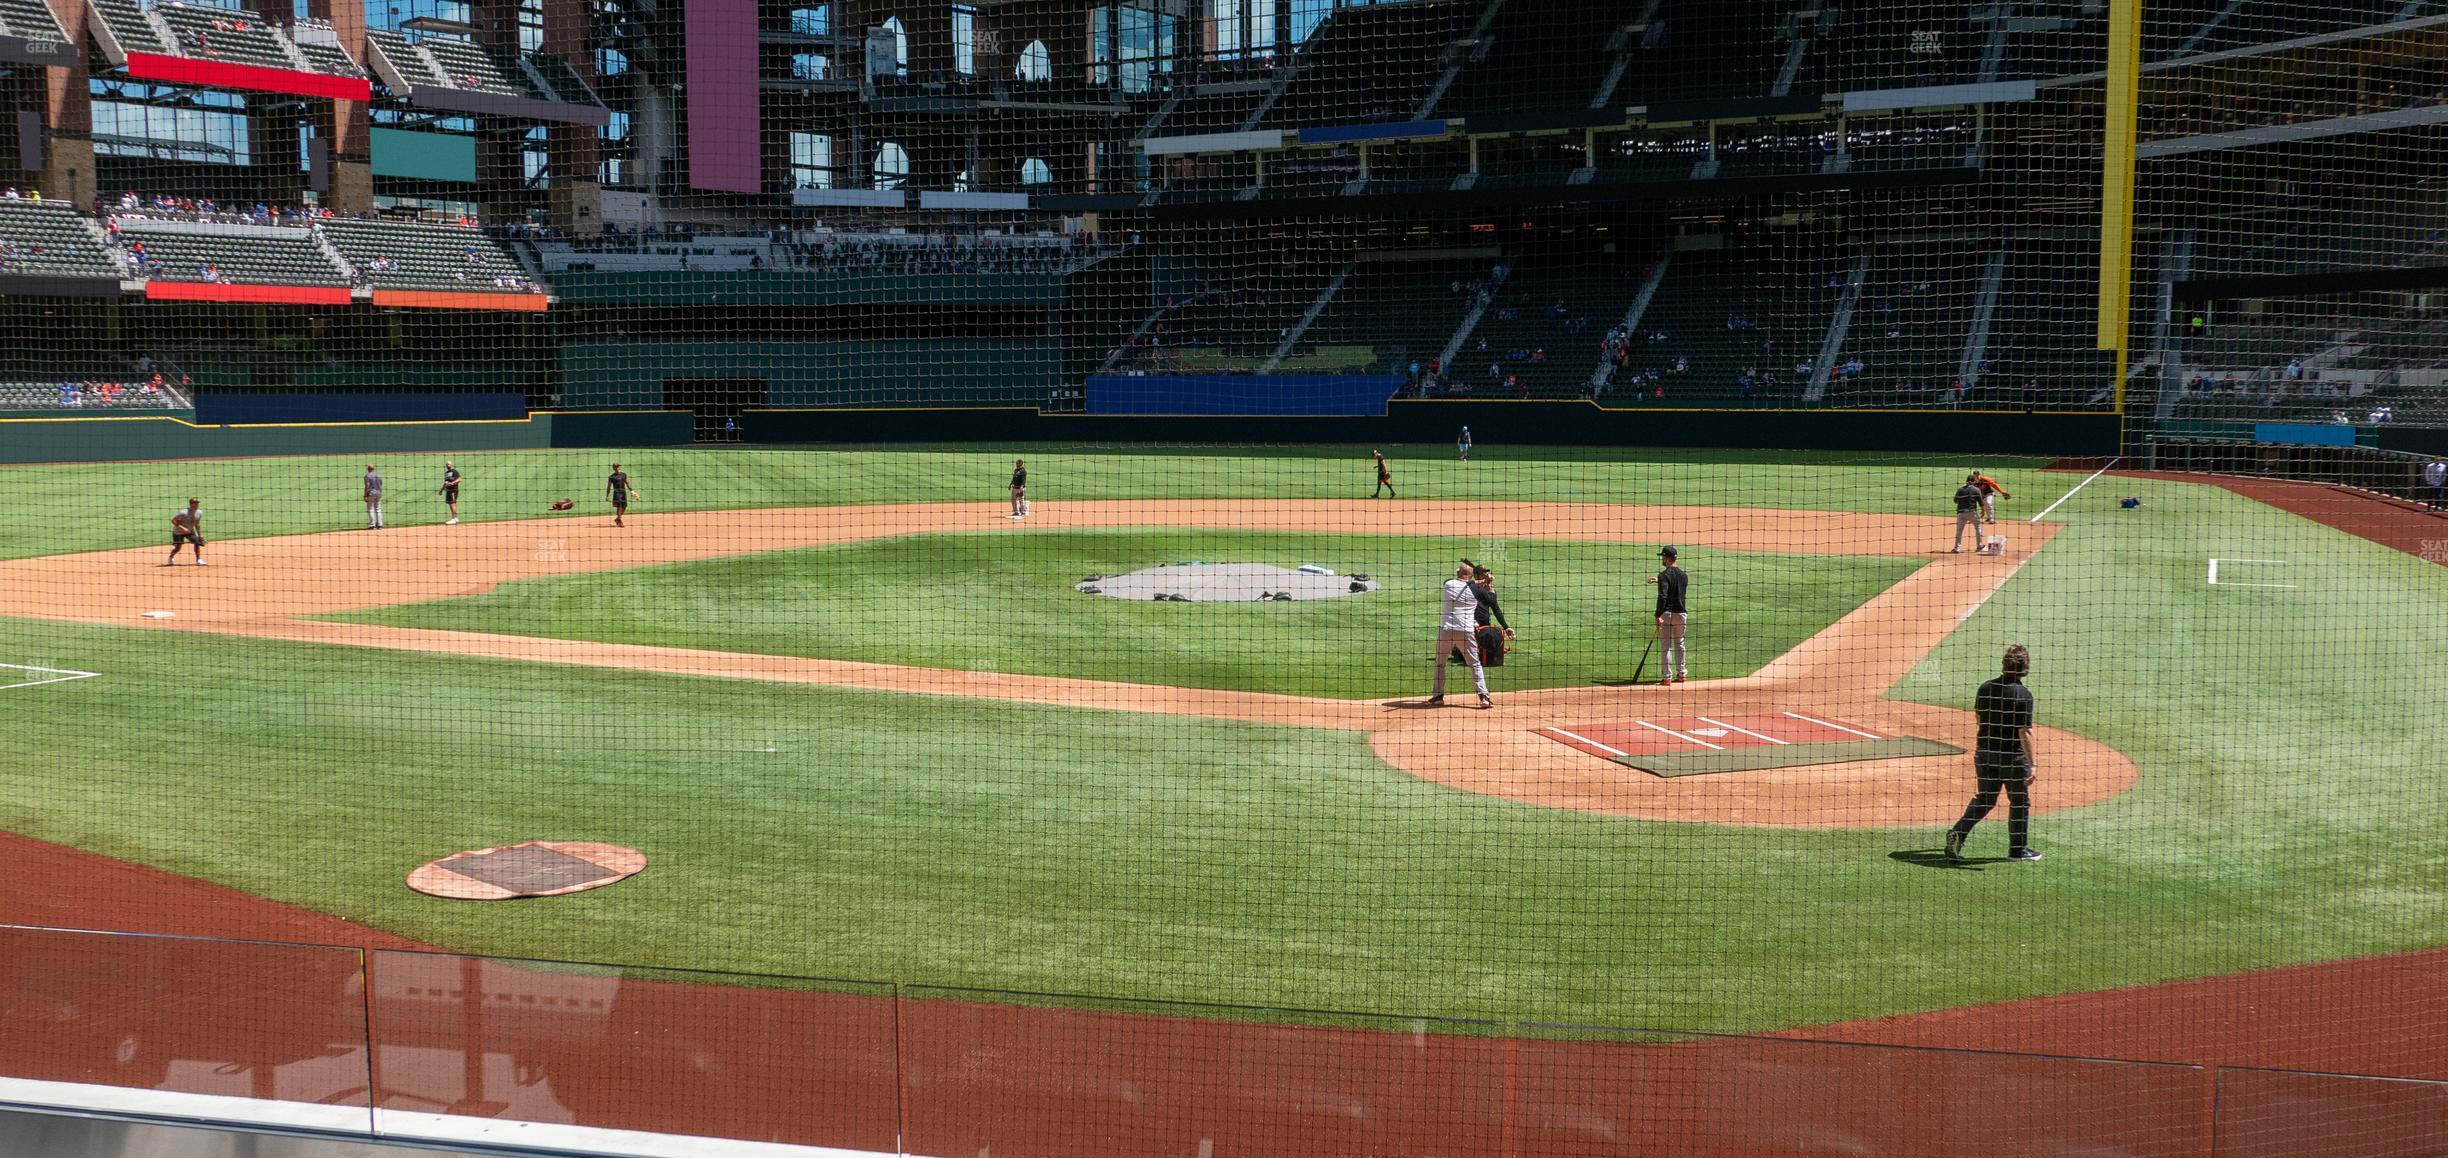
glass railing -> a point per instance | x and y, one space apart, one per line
575 1058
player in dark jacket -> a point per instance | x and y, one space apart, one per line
1492 636
2002 759
1968 512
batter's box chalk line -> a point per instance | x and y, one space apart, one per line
52 675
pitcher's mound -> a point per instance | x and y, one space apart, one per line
1226 583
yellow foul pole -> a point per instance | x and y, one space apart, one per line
2124 93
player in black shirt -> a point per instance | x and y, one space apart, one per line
450 491
1968 512
1672 618
1019 489
618 491
2002 759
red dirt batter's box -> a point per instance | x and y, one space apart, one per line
1699 745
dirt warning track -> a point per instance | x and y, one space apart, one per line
264 587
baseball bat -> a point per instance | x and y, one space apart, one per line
1644 660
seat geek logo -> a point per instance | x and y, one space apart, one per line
2435 550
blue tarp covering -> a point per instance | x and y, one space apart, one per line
1292 395
219 408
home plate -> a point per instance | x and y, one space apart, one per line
1696 745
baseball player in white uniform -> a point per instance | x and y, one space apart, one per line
1459 629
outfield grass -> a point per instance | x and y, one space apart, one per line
1008 603
48 510
2286 812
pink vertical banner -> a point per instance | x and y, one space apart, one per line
722 96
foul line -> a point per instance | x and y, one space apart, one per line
2077 490
59 675
1609 749
1744 731
1681 736
1835 725
2213 578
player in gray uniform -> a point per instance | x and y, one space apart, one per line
1459 630
373 499
187 526
1019 489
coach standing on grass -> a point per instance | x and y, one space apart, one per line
1968 512
2002 759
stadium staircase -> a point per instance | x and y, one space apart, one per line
1766 309
244 254
1308 317
1840 327
1604 376
1402 309
1534 54
49 239
1640 35
30 20
1530 294
1916 321
450 258
1470 50
1369 65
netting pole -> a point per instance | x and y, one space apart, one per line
2117 182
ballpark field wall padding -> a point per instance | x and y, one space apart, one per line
243 407
1561 423
868 373
1304 395
124 439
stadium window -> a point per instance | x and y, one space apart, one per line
1036 63
1242 28
892 166
814 20
536 156
610 62
811 66
615 135
212 131
1129 44
1306 16
1035 171
811 159
900 35
531 25
960 181
964 40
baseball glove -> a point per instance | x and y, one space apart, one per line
563 505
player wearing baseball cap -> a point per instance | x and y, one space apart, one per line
1674 666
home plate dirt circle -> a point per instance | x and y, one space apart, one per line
536 868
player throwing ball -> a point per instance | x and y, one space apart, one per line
1458 630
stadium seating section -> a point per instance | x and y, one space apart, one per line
238 255
30 19
439 257
48 239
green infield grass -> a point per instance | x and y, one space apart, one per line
1001 602
49 510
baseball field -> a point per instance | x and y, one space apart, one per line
865 726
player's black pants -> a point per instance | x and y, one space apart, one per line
2012 775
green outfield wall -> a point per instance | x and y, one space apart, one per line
1493 424
95 439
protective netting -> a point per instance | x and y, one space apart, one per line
1263 649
